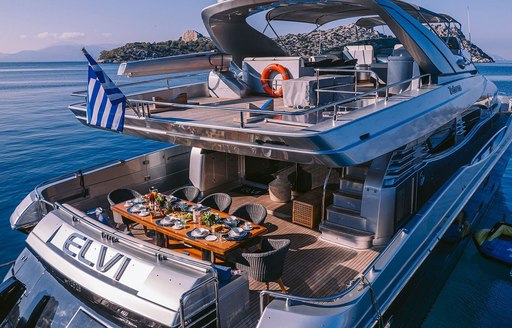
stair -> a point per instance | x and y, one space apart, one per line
344 224
346 236
346 217
352 185
348 200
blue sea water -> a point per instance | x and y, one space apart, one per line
40 139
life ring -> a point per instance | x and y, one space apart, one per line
266 82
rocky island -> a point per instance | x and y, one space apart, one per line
295 44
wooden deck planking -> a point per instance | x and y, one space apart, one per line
313 268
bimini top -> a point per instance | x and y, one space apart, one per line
323 13
227 24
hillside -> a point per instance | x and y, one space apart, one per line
55 53
191 42
295 44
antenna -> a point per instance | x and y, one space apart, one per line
469 26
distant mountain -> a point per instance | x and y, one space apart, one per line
190 43
62 52
498 58
295 44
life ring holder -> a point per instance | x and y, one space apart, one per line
266 81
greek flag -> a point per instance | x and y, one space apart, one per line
106 104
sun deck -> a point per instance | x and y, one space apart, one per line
313 268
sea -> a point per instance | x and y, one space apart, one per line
40 139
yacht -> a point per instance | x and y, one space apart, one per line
385 145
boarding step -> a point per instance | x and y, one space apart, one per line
359 172
346 236
348 200
352 185
345 217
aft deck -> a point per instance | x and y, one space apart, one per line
313 268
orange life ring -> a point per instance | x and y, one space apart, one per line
266 82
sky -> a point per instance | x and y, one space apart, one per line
36 24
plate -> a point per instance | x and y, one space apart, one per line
135 208
211 238
237 233
232 220
167 221
199 232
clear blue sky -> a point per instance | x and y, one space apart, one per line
35 24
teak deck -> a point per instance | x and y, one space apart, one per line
313 267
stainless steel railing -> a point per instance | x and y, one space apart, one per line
167 80
183 317
374 93
402 233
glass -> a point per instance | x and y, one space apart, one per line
218 234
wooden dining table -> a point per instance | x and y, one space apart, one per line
209 249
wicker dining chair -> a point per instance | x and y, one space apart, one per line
218 201
256 213
267 265
122 195
189 193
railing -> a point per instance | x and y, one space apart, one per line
330 299
167 79
355 72
114 236
76 174
144 104
190 323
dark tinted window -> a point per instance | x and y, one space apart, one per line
83 319
10 292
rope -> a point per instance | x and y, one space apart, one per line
7 264
374 301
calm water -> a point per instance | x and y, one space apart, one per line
40 139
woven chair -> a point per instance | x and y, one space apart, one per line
189 193
256 213
267 265
218 201
119 196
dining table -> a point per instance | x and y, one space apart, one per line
210 248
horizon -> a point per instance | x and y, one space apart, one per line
39 25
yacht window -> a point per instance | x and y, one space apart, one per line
84 319
442 139
10 292
471 118
43 313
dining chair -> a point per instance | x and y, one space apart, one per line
266 265
189 193
256 213
122 195
218 201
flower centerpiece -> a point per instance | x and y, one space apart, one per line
160 199
208 219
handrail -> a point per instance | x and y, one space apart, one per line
75 174
329 299
83 93
136 245
271 112
285 113
215 281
